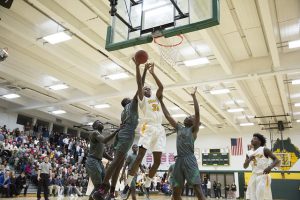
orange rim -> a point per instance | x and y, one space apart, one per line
156 41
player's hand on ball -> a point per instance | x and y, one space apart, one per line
267 170
135 62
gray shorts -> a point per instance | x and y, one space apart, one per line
122 142
95 170
186 168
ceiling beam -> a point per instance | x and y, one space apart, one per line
266 17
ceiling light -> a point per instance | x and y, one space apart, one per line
90 123
11 96
117 76
232 110
201 127
220 91
297 104
59 87
232 102
58 112
246 116
294 44
298 120
198 61
247 124
179 115
105 105
57 38
296 82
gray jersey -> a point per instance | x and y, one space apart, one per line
96 146
129 116
130 160
185 141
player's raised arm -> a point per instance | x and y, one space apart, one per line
166 113
139 80
197 114
159 84
147 66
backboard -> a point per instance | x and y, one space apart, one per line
134 22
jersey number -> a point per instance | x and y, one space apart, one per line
155 107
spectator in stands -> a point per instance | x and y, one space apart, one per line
45 134
5 184
12 185
208 188
219 185
215 190
21 184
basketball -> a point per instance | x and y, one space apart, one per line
141 56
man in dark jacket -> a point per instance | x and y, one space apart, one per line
21 184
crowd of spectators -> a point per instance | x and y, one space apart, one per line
21 153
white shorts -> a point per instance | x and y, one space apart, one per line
153 137
259 187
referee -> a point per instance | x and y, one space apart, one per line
43 178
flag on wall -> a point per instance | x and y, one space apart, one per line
236 146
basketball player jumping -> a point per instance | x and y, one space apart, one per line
152 134
259 186
125 137
186 166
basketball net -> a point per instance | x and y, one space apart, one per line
168 48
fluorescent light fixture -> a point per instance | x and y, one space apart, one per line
59 87
233 110
105 105
247 124
117 76
198 61
201 127
57 38
179 115
90 123
296 82
175 108
219 91
294 44
58 112
232 102
296 113
297 104
246 116
11 96
298 120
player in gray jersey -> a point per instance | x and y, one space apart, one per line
94 166
186 166
129 163
124 140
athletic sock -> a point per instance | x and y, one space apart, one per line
129 180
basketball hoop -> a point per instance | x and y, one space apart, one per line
168 47
161 42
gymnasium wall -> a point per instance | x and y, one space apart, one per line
9 119
206 140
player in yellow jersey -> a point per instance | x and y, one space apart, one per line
152 134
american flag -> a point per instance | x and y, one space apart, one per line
236 146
